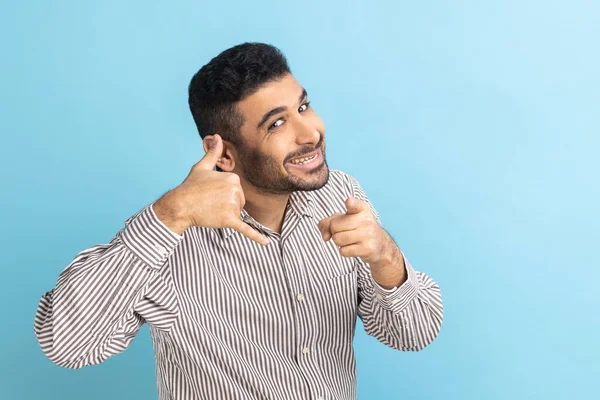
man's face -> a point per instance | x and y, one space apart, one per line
281 126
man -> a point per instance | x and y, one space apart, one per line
251 276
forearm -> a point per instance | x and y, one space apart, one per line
407 318
390 271
83 320
76 321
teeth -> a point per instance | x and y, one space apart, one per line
303 160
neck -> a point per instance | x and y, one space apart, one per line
267 209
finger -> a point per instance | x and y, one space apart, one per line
346 238
355 206
241 197
353 250
325 226
344 222
215 149
249 232
326 235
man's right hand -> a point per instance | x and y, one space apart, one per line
206 198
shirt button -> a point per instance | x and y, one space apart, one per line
395 301
379 297
305 350
300 297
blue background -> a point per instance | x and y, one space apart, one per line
473 126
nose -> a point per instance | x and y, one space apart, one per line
307 133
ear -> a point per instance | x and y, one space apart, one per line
226 161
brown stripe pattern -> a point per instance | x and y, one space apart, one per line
232 319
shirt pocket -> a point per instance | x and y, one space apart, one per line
337 265
342 300
345 281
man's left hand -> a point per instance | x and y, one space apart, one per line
356 233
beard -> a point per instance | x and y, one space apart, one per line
263 172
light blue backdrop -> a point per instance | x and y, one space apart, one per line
473 126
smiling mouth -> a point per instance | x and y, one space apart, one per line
306 158
303 160
307 162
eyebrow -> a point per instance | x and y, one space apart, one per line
280 109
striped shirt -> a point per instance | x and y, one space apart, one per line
230 318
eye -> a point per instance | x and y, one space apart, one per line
304 106
276 124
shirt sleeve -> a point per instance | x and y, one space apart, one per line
104 296
406 318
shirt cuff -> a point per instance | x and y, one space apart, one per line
384 290
149 238
399 298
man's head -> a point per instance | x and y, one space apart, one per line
249 97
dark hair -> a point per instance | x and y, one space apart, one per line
227 79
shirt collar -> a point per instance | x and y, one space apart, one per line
300 202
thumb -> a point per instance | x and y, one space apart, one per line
215 150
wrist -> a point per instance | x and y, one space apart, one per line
390 271
170 213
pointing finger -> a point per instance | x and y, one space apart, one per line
354 206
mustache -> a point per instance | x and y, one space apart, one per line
306 152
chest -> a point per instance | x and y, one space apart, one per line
298 282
